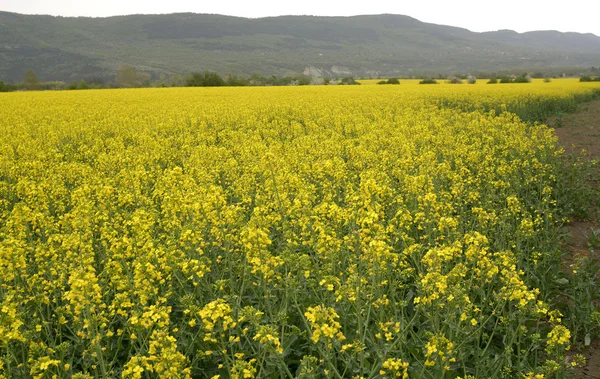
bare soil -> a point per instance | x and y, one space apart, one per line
581 130
579 133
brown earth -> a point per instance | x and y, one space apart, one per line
579 133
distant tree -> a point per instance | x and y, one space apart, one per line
547 80
585 78
83 85
454 80
31 81
428 81
95 81
471 79
326 81
175 80
505 79
349 81
235 81
212 79
389 81
301 80
522 79
206 79
195 80
493 81
7 87
73 85
127 76
257 79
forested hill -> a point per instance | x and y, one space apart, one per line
60 48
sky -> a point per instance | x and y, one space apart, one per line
520 15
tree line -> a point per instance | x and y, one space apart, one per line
129 77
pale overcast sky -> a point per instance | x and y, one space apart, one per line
520 15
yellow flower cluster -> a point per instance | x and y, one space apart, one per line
324 324
393 367
559 337
439 350
216 318
266 335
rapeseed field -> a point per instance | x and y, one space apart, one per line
346 232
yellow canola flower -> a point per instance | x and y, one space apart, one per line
325 326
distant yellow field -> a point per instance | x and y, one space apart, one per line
331 231
410 82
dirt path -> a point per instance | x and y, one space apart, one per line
579 133
580 130
576 132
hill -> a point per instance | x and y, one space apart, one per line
62 48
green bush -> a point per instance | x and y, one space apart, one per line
389 81
349 81
428 81
493 81
522 79
208 79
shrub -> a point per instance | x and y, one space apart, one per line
428 81
235 81
389 81
522 79
31 81
547 80
349 81
471 79
208 79
493 81
505 79
586 78
454 80
212 79
4 87
196 80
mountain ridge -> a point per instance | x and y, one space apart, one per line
66 48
